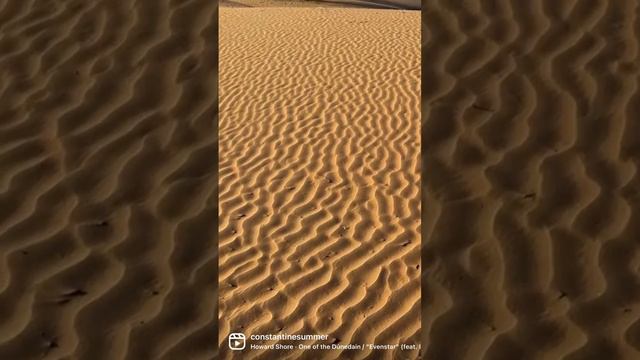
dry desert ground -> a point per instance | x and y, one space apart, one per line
107 179
531 150
320 178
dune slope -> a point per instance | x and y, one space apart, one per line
531 149
319 176
107 179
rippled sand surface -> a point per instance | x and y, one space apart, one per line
107 179
319 176
532 151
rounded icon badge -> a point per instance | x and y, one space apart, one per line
237 341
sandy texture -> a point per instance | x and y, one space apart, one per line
373 4
287 3
319 176
532 148
107 179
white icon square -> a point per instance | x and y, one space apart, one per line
237 341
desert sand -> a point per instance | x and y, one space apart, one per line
367 4
319 178
107 179
531 149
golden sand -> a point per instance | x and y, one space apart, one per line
531 155
319 176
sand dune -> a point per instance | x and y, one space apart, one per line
374 4
107 179
391 4
319 177
531 150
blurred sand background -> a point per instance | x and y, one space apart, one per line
531 151
108 179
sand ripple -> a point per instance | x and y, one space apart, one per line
532 153
319 176
107 179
